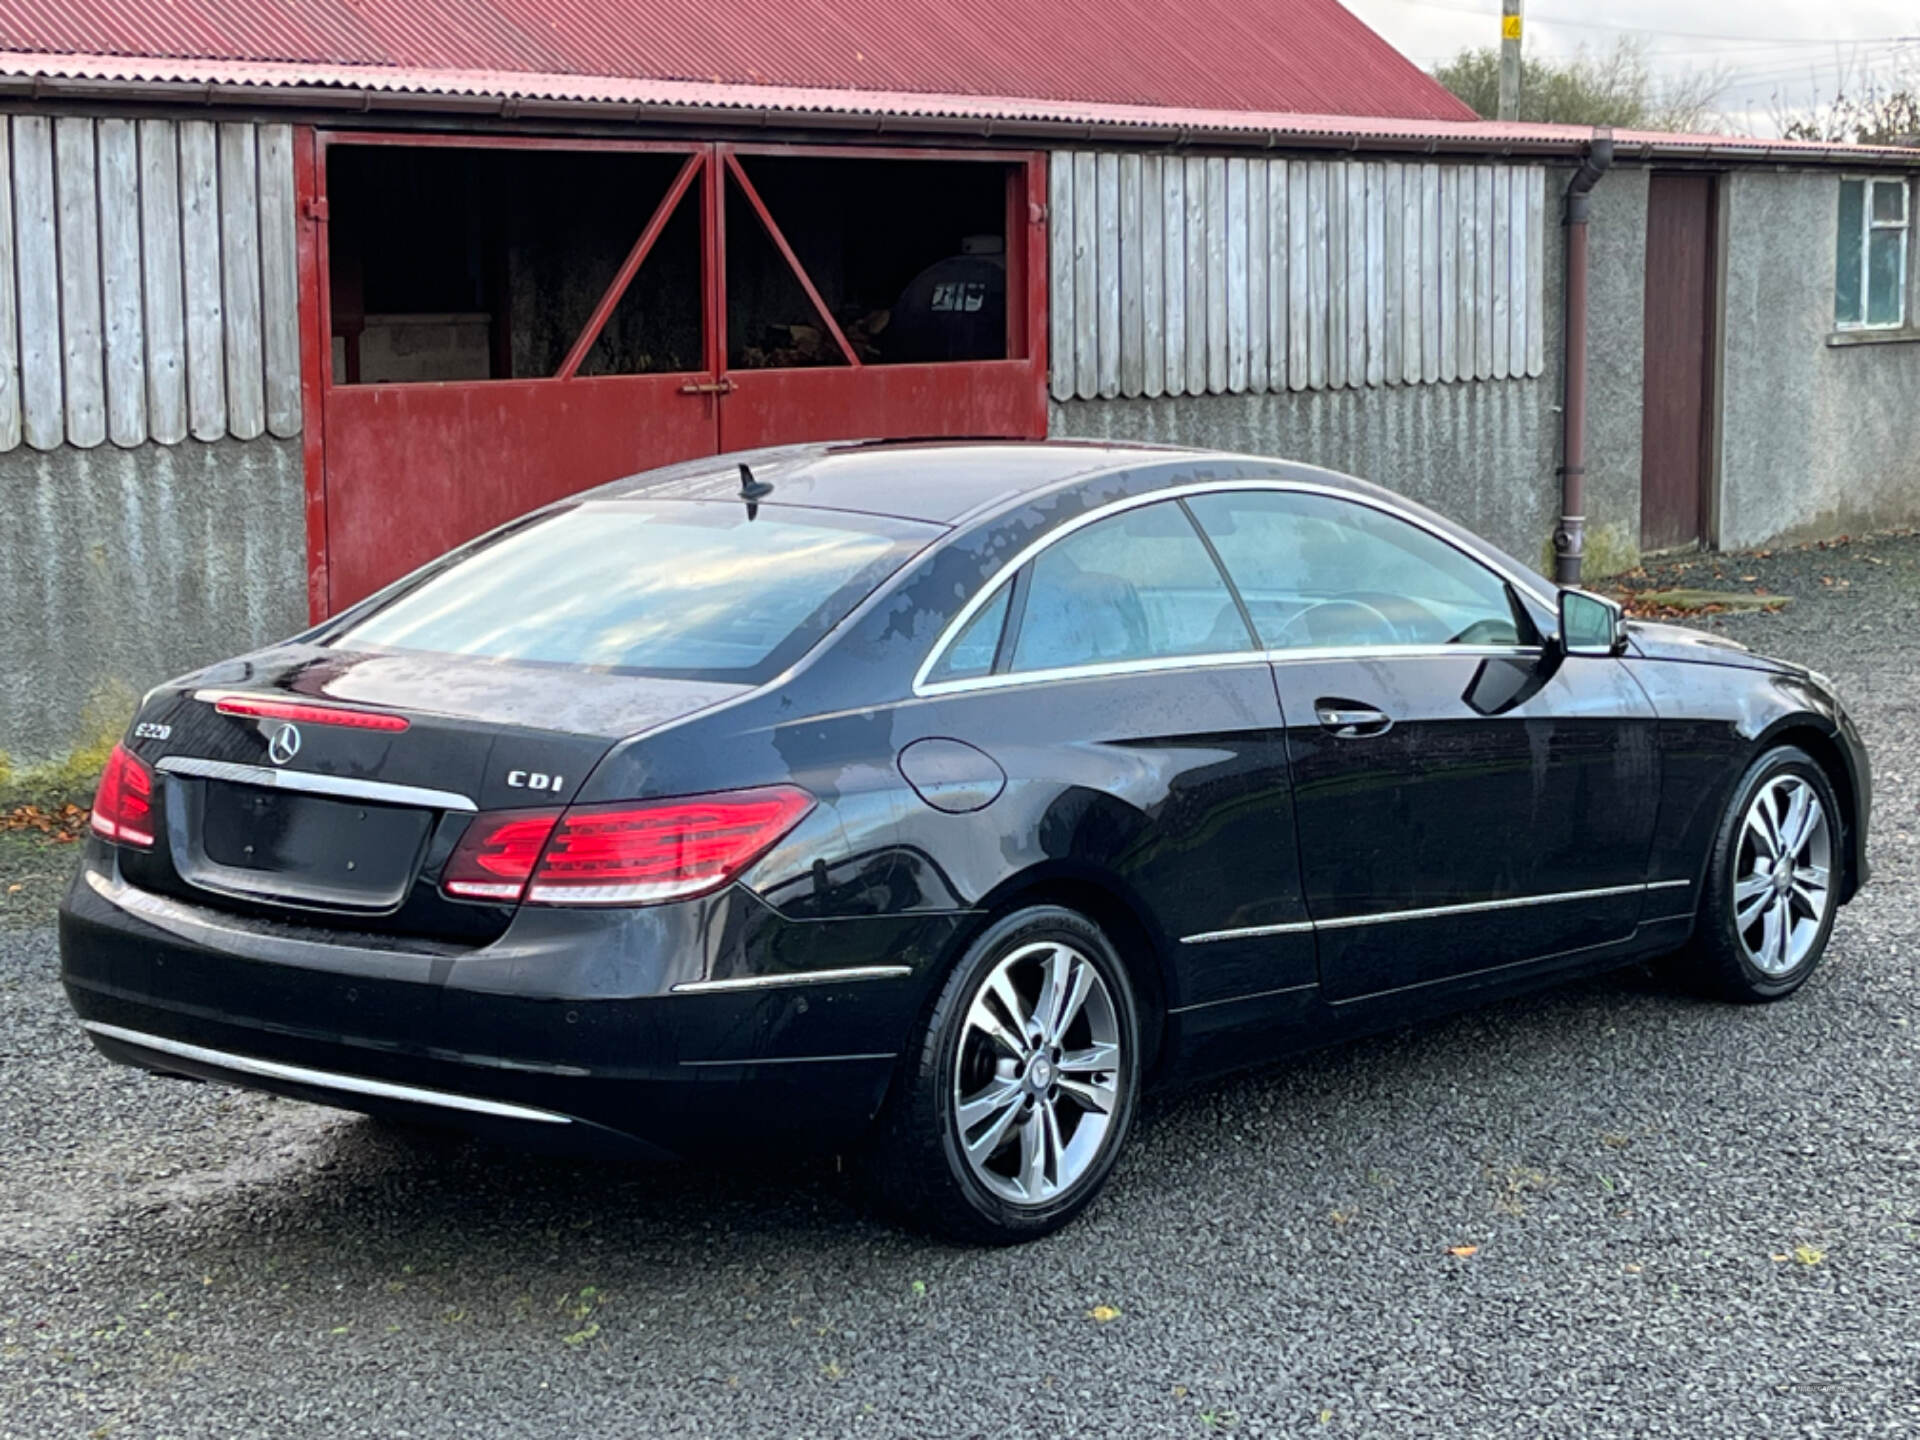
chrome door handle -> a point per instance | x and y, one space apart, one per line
1348 721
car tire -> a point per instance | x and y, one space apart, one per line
1005 1120
1765 918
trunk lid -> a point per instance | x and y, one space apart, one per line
331 787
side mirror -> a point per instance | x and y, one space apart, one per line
1591 624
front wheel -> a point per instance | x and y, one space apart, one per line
1014 1106
1772 882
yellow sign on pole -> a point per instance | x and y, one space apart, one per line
1509 27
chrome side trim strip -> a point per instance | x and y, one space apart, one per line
809 977
1473 907
379 792
1302 655
921 686
1238 999
789 1060
1430 912
326 1079
1291 927
1094 671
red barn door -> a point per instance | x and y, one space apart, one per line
492 325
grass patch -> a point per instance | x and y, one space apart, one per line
43 812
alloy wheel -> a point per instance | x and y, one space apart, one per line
1782 885
1039 1072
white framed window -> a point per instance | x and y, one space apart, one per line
1870 263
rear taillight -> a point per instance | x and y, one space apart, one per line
497 854
123 806
622 854
663 850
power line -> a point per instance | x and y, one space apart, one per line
1723 36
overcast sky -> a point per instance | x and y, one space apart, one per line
1795 49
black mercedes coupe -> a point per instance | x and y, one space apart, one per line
925 802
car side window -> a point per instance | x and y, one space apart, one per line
973 649
1138 585
1317 570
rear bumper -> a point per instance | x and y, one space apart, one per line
568 1029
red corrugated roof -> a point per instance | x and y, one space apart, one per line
356 89
1307 56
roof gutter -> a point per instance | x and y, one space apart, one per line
849 112
1569 537
368 101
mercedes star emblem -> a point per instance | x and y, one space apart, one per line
284 745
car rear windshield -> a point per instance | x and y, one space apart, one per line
689 589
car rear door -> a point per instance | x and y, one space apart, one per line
1467 799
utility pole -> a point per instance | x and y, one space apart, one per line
1509 59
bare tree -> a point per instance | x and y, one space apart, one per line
1613 87
1864 109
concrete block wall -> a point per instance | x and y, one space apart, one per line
1616 324
122 567
1817 439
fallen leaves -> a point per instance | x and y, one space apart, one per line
62 824
1682 601
1103 1314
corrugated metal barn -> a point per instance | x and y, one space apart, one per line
293 298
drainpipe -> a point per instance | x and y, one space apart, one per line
1569 536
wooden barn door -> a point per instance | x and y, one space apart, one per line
492 323
455 423
846 395
1676 419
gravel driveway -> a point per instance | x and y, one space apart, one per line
1606 1210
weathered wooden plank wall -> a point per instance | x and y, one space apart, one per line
9 317
147 281
1194 276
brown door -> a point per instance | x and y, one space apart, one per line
1674 439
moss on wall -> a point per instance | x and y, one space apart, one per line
70 778
1607 550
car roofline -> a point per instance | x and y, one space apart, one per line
1279 471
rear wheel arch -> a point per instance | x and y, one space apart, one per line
1107 903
